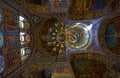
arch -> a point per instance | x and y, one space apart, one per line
108 35
12 47
25 38
88 66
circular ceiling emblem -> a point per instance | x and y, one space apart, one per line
77 36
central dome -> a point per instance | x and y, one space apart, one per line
77 36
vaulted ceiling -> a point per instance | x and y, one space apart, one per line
70 38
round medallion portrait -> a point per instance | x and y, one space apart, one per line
77 36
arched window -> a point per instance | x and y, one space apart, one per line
24 37
25 52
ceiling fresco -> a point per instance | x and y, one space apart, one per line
41 70
59 5
51 36
77 36
83 9
111 40
90 36
62 70
56 39
15 40
89 69
75 9
59 39
91 65
37 7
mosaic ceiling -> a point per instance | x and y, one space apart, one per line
75 9
96 69
77 36
60 38
111 35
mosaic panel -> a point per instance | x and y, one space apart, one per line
110 42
